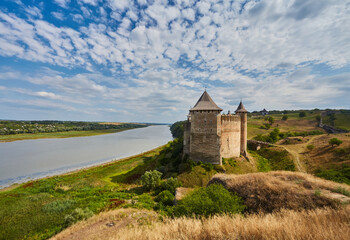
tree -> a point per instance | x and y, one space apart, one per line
151 179
310 147
285 117
302 114
271 120
335 141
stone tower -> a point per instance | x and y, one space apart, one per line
210 136
242 112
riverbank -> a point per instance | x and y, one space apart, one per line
69 134
41 205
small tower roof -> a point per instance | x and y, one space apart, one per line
241 108
205 103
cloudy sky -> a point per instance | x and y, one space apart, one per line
150 60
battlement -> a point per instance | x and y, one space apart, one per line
230 118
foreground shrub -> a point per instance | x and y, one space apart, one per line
170 184
151 179
77 215
165 198
208 201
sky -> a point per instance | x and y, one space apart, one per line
150 60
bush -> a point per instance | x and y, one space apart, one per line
166 198
58 206
285 117
151 179
170 184
335 141
310 147
208 201
77 215
302 114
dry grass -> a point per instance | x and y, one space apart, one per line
130 224
323 154
272 191
107 224
316 224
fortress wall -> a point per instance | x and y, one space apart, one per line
230 136
204 140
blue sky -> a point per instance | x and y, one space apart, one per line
150 60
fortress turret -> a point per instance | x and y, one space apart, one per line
242 112
210 137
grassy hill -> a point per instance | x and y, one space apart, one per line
274 200
124 209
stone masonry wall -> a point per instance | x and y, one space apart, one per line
230 128
204 139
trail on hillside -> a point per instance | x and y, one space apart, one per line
296 150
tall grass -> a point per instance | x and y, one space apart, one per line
316 224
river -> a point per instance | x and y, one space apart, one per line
31 159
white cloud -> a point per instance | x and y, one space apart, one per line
119 5
62 3
33 12
266 49
91 2
58 15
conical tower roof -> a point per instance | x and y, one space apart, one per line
205 103
241 108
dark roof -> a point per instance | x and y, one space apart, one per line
241 108
264 110
205 103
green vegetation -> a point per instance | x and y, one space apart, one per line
339 174
177 129
274 159
276 135
76 215
263 164
25 136
285 117
342 190
169 185
338 118
151 179
208 201
310 147
335 141
302 114
32 127
342 154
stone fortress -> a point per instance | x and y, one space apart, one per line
210 136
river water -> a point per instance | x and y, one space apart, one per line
31 159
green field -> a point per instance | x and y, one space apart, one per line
25 136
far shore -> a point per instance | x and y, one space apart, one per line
113 161
69 134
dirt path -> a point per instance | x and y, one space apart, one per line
296 151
